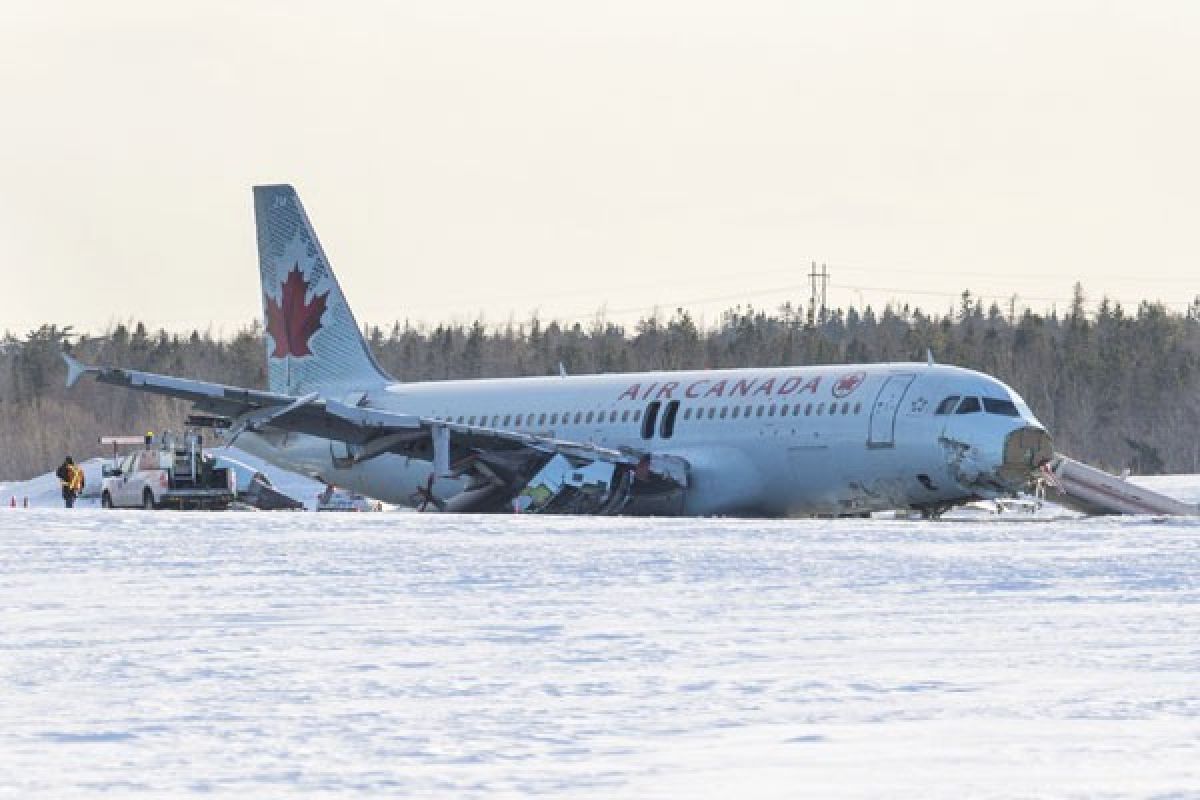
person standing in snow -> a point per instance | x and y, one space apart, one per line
71 478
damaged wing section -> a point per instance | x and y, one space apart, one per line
503 470
531 473
545 478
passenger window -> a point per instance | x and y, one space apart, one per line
820 409
857 407
554 418
651 418
947 405
758 412
495 420
687 413
668 423
1005 408
969 405
724 411
625 416
637 415
470 421
541 419
845 409
712 412
578 417
736 409
507 419
588 418
770 411
807 410
612 416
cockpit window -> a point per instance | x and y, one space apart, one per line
969 405
947 405
1005 408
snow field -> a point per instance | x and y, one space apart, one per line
168 654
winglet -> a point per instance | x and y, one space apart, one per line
75 370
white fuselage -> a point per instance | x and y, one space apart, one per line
759 442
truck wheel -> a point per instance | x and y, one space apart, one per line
148 500
106 500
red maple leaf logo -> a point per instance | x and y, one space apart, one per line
292 322
848 383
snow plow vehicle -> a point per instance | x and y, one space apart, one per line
167 474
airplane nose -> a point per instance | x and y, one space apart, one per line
1025 450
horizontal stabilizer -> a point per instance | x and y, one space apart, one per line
75 370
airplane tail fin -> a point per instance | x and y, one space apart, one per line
313 340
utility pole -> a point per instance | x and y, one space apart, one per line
819 286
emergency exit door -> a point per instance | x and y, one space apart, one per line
882 431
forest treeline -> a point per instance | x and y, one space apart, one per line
1117 388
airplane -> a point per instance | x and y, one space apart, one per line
843 440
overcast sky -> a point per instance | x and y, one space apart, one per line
468 157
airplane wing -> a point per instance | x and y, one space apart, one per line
498 465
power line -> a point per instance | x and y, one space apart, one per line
817 286
819 296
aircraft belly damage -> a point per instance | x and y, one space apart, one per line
533 482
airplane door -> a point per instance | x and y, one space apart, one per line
882 432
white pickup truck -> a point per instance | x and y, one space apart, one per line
165 477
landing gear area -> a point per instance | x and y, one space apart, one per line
529 482
598 488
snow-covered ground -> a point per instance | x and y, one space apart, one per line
254 655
